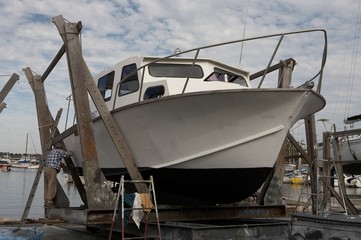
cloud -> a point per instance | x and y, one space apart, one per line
114 30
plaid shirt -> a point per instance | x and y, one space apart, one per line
54 158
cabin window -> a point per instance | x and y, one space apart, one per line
175 70
129 80
224 76
154 92
105 85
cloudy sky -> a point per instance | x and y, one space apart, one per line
118 29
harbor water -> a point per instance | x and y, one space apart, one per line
15 188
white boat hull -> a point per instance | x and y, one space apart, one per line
351 151
350 154
195 145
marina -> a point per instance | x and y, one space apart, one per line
151 155
15 188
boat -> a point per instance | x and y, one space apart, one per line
350 153
6 168
22 163
299 178
288 172
33 166
196 124
5 163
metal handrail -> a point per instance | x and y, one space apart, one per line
281 35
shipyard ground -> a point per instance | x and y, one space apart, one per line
59 230
306 225
71 232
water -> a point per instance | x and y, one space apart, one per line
15 188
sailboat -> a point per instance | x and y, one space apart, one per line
27 161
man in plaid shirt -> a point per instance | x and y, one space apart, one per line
52 168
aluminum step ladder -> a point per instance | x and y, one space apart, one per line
152 197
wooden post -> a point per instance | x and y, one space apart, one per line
43 113
340 176
311 152
308 159
285 73
326 171
78 69
45 121
45 124
99 194
274 193
6 89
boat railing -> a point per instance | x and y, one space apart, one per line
281 36
263 74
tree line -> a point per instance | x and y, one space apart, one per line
18 155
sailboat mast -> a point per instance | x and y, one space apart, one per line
26 146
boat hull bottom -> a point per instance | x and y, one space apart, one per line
198 186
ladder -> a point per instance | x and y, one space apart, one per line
152 197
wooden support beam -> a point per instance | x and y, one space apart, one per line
99 194
272 190
348 203
311 152
8 86
47 132
82 80
57 57
340 176
44 116
326 171
45 121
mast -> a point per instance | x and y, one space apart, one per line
26 146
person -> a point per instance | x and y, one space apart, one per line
52 167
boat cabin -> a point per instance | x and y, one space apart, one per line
142 78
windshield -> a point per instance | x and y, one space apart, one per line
223 76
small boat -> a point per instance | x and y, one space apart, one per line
4 162
6 168
298 179
22 163
33 166
196 124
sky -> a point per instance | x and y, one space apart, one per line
114 30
